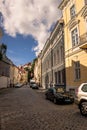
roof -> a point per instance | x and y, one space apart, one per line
7 60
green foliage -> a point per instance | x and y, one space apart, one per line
26 69
3 49
0 56
29 73
33 64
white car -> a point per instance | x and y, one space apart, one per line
34 86
81 98
18 85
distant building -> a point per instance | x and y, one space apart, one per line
27 66
6 72
37 70
52 58
15 75
22 75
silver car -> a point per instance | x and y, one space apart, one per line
81 98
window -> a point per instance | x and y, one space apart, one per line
54 58
58 60
55 77
62 53
77 70
84 88
74 35
72 11
60 77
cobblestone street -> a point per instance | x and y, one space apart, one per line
27 109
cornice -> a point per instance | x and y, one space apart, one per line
73 22
57 26
58 66
63 4
46 46
72 52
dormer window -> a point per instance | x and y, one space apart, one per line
72 11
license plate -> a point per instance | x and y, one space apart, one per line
67 100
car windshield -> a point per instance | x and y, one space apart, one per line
60 90
32 83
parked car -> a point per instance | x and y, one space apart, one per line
81 98
34 86
59 95
31 83
18 85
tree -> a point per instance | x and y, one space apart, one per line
31 70
0 56
33 64
3 49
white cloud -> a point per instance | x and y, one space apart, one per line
30 17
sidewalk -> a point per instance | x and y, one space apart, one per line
41 89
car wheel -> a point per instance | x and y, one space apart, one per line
83 108
55 101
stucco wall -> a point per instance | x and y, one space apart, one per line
4 82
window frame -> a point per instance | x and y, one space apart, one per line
72 11
75 37
77 70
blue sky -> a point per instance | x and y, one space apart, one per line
27 24
19 48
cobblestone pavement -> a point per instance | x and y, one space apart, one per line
27 109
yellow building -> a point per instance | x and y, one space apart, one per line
16 78
37 70
75 30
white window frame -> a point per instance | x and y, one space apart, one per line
75 41
77 70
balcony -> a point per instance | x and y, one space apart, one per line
83 41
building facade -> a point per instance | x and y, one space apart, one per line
22 75
37 70
15 78
53 63
75 30
46 63
6 72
